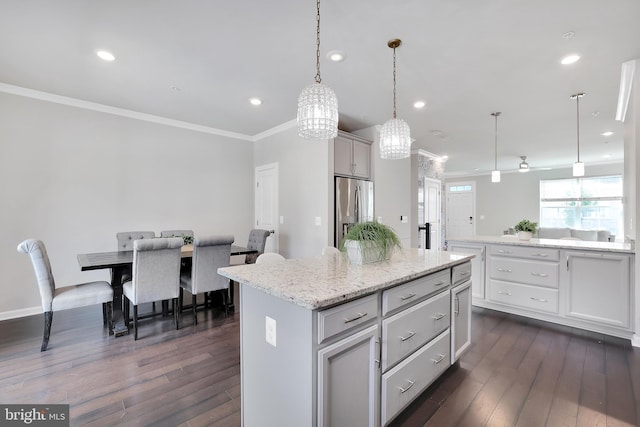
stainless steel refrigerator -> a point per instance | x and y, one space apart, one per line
353 204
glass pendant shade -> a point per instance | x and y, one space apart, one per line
495 176
317 112
395 140
578 169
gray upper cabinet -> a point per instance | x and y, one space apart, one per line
352 156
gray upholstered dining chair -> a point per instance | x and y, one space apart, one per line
257 241
270 258
126 238
209 253
156 276
57 299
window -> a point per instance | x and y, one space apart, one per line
593 203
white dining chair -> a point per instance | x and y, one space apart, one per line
330 250
270 258
209 254
156 276
57 299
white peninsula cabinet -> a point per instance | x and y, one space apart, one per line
327 343
477 264
588 285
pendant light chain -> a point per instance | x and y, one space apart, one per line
394 84
318 78
495 166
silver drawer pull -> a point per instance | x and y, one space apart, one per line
504 293
539 274
406 297
465 273
440 359
438 316
500 251
359 316
440 283
411 334
411 383
505 270
542 255
539 299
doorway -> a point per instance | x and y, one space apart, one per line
461 209
429 211
266 203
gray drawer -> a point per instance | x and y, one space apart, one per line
460 273
404 332
346 316
407 380
525 252
414 290
525 271
532 297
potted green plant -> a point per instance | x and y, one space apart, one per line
526 229
370 241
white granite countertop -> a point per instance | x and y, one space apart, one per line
581 245
319 282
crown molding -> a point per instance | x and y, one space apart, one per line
86 105
275 130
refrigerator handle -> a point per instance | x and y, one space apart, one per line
357 204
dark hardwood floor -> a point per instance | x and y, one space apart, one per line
519 372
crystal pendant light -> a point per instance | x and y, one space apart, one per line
524 166
395 135
495 174
578 167
317 104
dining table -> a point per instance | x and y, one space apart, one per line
121 261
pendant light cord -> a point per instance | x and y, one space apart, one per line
578 124
496 114
318 78
394 83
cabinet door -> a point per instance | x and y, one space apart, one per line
599 288
477 265
362 159
348 381
342 157
460 320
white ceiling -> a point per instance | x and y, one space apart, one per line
465 58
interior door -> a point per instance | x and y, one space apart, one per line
432 210
461 209
266 203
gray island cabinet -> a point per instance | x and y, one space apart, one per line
327 343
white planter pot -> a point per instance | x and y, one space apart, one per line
524 235
365 252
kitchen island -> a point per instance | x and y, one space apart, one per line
324 342
584 284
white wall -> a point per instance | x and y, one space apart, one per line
73 178
392 188
303 190
517 196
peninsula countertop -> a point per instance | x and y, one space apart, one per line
318 282
581 245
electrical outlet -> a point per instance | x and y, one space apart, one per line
270 329
281 219
380 219
318 220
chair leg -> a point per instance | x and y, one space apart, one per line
193 308
104 313
176 312
135 322
48 318
109 309
125 310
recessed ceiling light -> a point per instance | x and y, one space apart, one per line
336 55
419 104
105 55
445 157
570 59
606 156
607 133
255 101
175 88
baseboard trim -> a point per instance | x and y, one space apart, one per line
23 312
635 340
